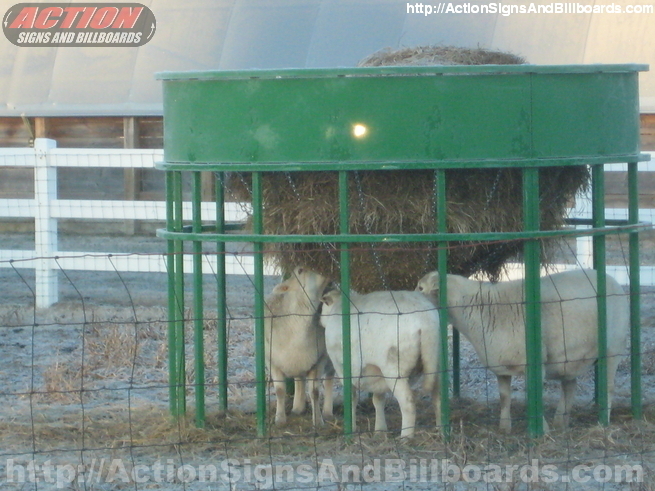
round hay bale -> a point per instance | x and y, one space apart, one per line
439 55
396 202
390 202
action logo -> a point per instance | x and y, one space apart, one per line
83 24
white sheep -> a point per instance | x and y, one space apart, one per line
492 317
394 335
294 343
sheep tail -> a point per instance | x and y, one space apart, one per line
430 357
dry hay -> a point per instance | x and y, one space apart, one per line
440 55
148 429
403 202
394 202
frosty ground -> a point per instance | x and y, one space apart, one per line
85 386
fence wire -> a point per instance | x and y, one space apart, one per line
85 406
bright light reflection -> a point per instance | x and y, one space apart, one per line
359 130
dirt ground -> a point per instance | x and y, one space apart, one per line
85 391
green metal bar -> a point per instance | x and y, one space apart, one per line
609 222
399 238
635 282
442 260
396 165
179 365
198 312
258 247
221 294
238 226
532 254
344 228
598 216
172 303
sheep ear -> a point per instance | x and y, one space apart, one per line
281 288
435 281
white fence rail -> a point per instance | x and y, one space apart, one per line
46 209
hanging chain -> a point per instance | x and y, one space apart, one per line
242 204
376 255
293 185
428 261
494 188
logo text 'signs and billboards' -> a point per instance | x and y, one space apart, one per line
63 24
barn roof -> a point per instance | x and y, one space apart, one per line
244 34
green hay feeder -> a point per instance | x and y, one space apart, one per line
436 121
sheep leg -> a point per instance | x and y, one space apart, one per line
380 418
312 377
612 366
562 414
281 395
299 400
436 401
355 399
505 392
328 398
405 397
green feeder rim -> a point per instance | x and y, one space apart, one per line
404 70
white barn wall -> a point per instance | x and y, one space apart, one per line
244 34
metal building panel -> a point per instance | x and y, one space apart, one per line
246 34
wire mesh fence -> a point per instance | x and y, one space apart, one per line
85 406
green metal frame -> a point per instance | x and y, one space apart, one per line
301 120
532 258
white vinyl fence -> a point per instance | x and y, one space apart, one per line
46 209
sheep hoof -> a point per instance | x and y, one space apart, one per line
328 416
299 405
546 427
280 420
560 422
505 426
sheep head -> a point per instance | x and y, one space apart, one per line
429 284
330 299
306 284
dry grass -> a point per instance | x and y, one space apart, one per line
110 352
62 384
142 429
57 419
149 429
111 345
